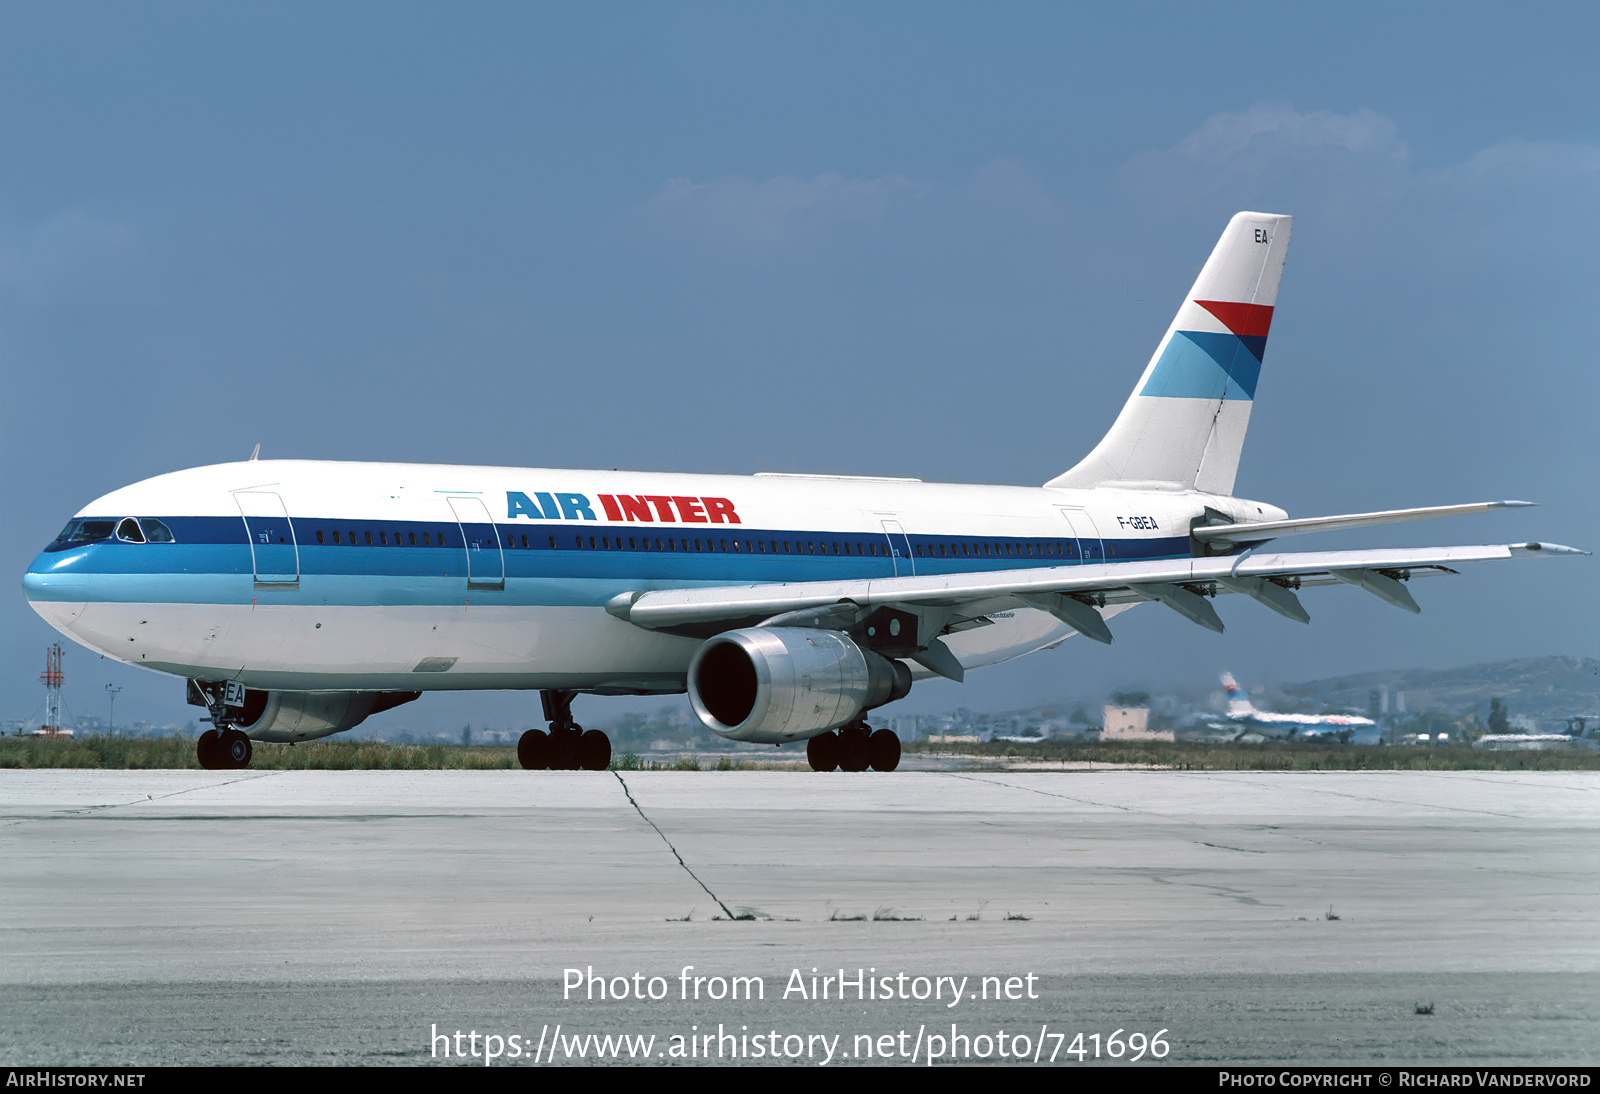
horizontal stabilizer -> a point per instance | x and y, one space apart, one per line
1223 534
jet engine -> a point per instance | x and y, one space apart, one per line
306 715
776 684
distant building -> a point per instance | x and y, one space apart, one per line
1131 724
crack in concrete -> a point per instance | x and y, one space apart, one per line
671 848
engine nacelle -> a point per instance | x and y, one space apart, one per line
778 684
304 715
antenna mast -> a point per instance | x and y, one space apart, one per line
52 677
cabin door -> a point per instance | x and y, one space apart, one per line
899 548
486 560
1087 546
274 553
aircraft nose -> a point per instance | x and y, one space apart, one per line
57 586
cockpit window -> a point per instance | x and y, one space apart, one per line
78 532
129 530
155 531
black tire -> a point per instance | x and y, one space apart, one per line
564 748
884 748
594 751
853 752
207 752
822 752
533 750
233 749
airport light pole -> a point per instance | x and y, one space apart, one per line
111 725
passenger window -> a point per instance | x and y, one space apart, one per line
632 544
369 537
319 536
524 542
336 538
383 538
129 530
425 540
552 542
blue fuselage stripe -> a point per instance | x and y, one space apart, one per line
212 554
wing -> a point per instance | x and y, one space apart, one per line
1075 594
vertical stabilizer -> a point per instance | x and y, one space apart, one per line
1238 701
1184 424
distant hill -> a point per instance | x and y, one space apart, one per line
1546 688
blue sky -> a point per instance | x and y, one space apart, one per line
903 239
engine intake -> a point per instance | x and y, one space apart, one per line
778 684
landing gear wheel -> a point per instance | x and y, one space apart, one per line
207 752
822 751
853 752
533 750
884 749
564 748
594 751
233 749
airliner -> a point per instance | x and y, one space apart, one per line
1243 722
299 598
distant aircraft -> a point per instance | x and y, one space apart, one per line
1243 722
298 598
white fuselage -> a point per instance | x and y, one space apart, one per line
315 576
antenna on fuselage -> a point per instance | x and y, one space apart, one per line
256 451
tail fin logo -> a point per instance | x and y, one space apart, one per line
1214 364
1248 321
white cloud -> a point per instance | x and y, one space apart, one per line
1534 160
739 215
1261 153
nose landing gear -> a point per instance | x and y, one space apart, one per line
568 746
224 747
854 747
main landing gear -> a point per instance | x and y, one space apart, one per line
568 746
854 747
